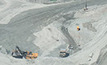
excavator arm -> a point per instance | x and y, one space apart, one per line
21 52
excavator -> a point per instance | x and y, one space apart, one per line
63 53
17 53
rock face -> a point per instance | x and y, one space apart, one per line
47 1
102 59
40 1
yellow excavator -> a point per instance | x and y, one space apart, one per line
17 53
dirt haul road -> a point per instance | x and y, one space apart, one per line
22 26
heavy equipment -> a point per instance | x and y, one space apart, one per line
17 53
78 28
63 53
85 7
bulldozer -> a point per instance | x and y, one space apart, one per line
17 53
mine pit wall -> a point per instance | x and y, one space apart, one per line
102 59
48 1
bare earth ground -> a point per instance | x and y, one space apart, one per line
46 29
